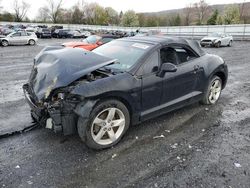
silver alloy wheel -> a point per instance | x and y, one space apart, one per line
215 91
32 42
5 43
108 126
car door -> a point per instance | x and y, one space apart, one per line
14 38
24 38
179 87
151 85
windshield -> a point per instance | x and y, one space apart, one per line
126 52
91 39
215 35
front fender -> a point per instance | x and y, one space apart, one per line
84 108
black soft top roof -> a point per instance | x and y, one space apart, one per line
164 40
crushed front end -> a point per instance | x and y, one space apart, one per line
55 73
56 114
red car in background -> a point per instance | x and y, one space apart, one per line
91 42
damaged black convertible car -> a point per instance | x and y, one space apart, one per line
99 94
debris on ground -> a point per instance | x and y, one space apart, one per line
206 109
161 136
113 156
168 131
136 137
203 130
30 182
238 165
190 147
17 166
174 146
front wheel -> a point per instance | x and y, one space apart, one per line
213 91
230 43
5 43
107 123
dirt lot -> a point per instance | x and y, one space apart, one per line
204 146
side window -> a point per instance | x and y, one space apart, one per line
169 55
184 54
151 64
23 34
16 34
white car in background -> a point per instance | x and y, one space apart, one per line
217 40
19 38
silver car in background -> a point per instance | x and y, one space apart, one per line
19 38
217 40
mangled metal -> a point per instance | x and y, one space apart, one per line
55 68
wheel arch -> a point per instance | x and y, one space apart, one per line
222 76
130 104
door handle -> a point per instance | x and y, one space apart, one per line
196 67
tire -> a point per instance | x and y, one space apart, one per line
5 43
202 45
32 42
209 97
230 43
218 44
98 131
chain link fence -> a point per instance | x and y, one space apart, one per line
238 31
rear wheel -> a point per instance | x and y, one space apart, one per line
5 43
213 91
108 122
32 42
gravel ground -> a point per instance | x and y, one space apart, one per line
203 146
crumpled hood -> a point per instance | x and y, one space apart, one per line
210 38
56 67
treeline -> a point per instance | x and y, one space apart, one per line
199 13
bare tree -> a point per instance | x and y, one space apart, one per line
187 11
1 7
20 10
43 15
54 8
202 10
244 13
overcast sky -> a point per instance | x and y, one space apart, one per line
118 5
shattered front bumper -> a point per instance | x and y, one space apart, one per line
36 112
60 116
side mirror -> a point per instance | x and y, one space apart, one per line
166 67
